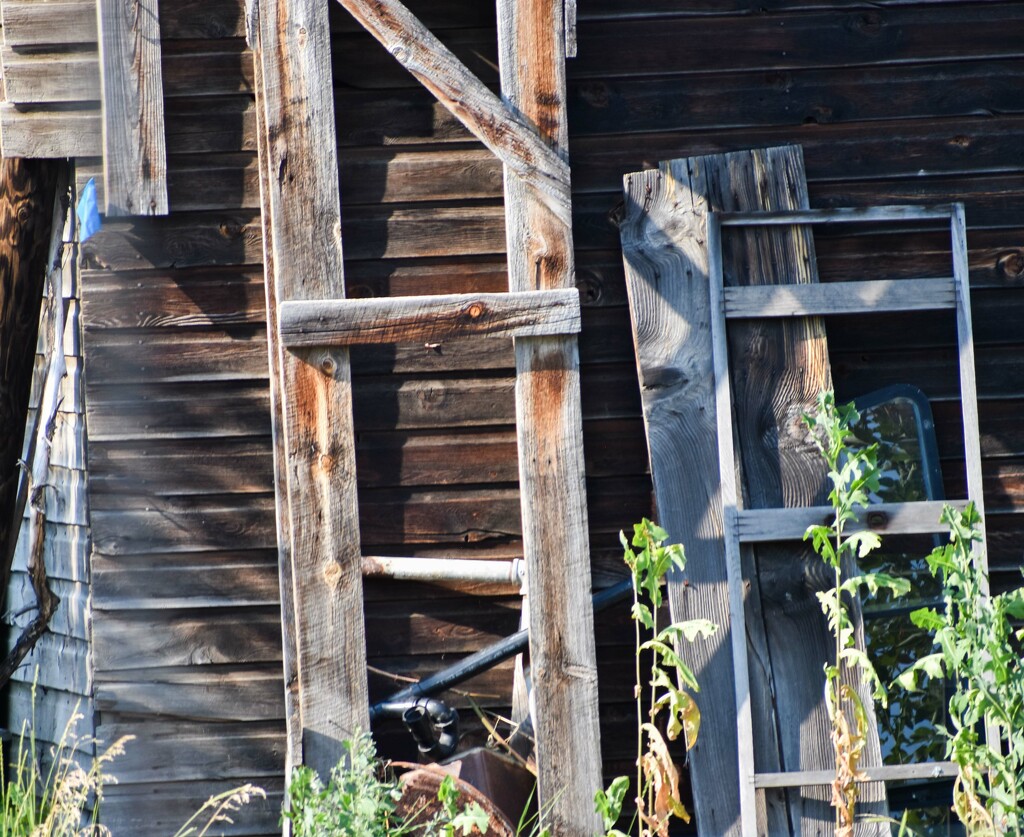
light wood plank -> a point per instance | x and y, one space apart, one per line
765 525
755 301
50 132
842 215
745 755
302 202
531 49
50 76
969 410
881 773
512 139
32 23
134 147
429 319
275 353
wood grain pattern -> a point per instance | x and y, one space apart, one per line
766 525
667 281
429 319
302 202
131 72
489 119
531 46
881 295
779 367
276 363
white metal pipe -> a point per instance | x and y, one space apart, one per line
445 569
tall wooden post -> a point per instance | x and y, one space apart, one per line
302 201
531 45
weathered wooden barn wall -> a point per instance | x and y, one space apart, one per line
892 102
60 666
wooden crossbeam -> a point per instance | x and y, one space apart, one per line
880 773
429 319
839 298
508 135
134 148
766 525
841 215
302 201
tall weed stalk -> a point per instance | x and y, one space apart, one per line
978 647
668 682
853 473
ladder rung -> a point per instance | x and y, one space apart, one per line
836 216
840 298
429 319
921 518
883 773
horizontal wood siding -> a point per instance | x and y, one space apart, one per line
61 663
893 102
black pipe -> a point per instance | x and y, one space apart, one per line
395 705
434 726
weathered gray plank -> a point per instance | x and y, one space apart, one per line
157 639
766 525
881 773
512 139
134 147
282 516
206 693
429 319
302 201
531 47
881 295
63 663
159 808
182 751
839 215
50 76
667 282
32 23
49 132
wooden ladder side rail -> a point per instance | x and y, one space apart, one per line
302 202
775 524
131 80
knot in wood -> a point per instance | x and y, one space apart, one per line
1011 263
328 365
332 574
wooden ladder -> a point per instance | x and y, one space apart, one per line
311 326
744 526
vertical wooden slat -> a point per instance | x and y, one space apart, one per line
134 148
969 407
293 723
730 504
563 659
303 204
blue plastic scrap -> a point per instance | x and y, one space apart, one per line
88 213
